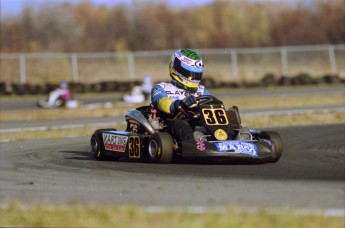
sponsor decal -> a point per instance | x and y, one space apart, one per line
220 134
174 97
186 60
115 142
183 93
237 147
199 64
200 145
177 92
190 63
192 67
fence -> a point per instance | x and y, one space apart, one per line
243 64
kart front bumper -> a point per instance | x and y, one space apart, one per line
234 149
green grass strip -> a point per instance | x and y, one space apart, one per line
14 215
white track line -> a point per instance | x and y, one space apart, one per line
329 212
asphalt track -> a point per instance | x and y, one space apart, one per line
309 175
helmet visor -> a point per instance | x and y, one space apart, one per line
189 74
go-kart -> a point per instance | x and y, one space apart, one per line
222 136
58 98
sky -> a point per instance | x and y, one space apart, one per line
12 7
9 7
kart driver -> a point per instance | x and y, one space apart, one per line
62 92
186 69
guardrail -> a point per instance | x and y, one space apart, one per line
231 64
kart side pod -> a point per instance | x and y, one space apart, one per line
137 116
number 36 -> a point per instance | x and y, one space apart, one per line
134 147
215 116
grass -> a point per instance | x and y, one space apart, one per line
14 215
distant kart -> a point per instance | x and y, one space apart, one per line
58 98
146 139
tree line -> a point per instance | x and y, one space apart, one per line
84 27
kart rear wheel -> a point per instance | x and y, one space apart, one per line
97 148
277 140
160 148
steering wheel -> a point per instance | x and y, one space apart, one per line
187 111
206 98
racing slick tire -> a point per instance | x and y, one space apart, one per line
277 140
97 148
160 148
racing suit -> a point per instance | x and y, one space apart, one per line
64 94
165 97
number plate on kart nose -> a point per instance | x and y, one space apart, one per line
215 116
237 147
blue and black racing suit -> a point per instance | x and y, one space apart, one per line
166 97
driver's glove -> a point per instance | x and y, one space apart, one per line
186 102
189 101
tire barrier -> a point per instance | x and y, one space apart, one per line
268 80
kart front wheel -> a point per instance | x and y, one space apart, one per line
277 140
160 148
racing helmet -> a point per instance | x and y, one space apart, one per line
63 85
186 68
